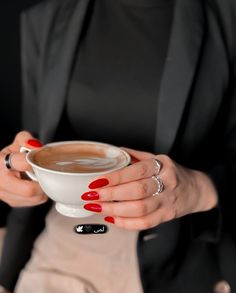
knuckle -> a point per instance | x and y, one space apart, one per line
22 134
29 189
145 224
124 224
142 188
171 166
174 181
109 196
36 199
118 177
172 174
142 170
167 162
173 198
163 158
141 208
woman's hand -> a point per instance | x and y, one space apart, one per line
13 189
129 199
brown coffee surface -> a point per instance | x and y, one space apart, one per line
79 158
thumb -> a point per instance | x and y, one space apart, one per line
138 155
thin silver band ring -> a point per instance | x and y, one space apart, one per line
8 162
158 166
160 185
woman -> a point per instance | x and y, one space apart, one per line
157 77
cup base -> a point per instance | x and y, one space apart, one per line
72 211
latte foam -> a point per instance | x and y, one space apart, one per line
80 157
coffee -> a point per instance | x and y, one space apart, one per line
64 170
79 157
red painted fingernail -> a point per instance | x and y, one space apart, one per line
110 220
98 183
90 195
93 207
35 143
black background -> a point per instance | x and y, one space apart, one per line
10 80
10 77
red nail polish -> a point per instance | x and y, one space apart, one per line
98 183
93 207
110 220
35 143
90 195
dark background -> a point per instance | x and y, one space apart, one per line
10 80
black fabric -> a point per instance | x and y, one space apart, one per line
118 70
4 210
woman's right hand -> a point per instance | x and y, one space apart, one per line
14 190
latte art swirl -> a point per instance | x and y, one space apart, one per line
80 157
91 163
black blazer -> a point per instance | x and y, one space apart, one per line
196 126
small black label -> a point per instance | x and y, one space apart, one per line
91 229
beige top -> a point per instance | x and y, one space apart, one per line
64 261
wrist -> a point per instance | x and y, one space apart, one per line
206 192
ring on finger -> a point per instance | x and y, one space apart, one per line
160 185
8 162
158 166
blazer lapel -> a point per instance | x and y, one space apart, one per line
184 49
64 27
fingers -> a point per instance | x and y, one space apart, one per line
142 223
20 140
139 189
138 208
139 155
15 185
15 200
141 170
128 199
23 138
151 213
17 192
13 189
18 162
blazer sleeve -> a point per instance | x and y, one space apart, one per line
24 224
212 225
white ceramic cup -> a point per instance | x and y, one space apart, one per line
66 188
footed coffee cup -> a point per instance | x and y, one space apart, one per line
65 169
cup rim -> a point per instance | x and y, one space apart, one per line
30 153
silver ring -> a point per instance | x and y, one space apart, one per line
158 166
160 185
7 161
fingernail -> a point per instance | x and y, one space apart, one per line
98 183
35 143
93 207
90 195
110 220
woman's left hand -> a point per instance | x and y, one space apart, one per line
129 198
